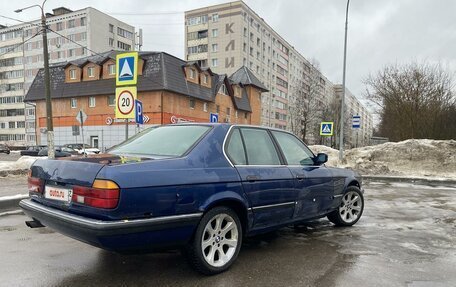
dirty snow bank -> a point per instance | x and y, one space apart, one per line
16 167
422 158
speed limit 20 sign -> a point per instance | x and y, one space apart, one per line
125 102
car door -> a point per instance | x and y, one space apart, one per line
313 182
267 183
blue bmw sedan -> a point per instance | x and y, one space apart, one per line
199 187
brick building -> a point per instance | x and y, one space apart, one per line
172 90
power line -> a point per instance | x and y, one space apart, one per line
20 44
24 22
147 13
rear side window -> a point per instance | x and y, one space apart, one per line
259 147
295 152
235 149
165 141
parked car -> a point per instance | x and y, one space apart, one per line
59 152
79 148
32 150
4 149
199 186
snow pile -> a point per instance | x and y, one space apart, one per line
13 167
410 157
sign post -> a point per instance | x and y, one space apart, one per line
81 118
126 75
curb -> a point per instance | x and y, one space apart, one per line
10 203
416 180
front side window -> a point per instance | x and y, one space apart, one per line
164 141
295 152
235 148
259 147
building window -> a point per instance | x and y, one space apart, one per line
205 107
217 109
192 74
73 103
83 36
83 21
91 72
228 111
197 20
215 17
59 26
83 51
214 47
112 69
123 46
71 24
71 53
214 62
236 113
111 28
214 33
191 103
111 100
204 79
91 102
124 33
73 74
244 47
111 42
245 115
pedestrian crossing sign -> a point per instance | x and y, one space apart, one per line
326 128
127 69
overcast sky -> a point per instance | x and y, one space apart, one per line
380 32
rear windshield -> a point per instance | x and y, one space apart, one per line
164 141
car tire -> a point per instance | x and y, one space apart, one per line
351 208
217 241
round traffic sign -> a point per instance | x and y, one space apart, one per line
126 102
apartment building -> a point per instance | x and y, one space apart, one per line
227 36
171 90
21 56
353 107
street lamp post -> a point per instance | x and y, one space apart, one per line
341 136
47 81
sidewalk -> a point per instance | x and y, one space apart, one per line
412 179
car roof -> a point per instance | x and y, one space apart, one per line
230 125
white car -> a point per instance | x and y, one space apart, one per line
80 150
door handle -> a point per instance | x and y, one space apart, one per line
300 176
252 177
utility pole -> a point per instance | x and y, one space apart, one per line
47 80
341 136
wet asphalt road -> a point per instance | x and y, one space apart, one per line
406 237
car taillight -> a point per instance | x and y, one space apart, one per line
102 194
35 185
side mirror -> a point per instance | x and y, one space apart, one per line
321 158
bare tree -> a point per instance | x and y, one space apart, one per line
306 102
414 101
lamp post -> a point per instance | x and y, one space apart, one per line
47 80
341 136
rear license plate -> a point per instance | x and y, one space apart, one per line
57 193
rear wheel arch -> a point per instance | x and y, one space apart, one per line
237 206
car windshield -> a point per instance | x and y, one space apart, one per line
166 141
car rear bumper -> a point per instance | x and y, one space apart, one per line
120 235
